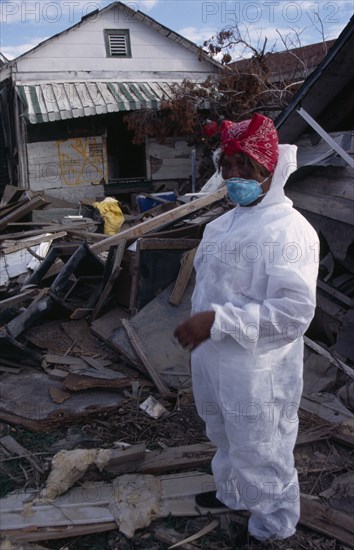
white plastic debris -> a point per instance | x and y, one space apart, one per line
153 408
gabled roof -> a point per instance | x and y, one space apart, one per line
3 60
327 94
139 16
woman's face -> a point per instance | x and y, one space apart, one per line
239 166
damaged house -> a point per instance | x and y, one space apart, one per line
319 120
63 105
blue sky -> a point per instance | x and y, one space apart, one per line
25 23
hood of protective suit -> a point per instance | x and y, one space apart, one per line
286 165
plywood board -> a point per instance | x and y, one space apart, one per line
19 406
88 505
155 325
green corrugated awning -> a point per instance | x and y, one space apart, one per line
51 101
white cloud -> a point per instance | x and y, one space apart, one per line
14 51
197 34
147 5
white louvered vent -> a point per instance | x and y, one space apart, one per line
118 46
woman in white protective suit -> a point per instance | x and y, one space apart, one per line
256 271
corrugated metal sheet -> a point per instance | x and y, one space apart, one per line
47 102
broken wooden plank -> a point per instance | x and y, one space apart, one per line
204 531
17 449
86 235
12 350
183 277
90 507
10 369
9 194
8 302
337 362
109 284
130 455
157 243
105 326
21 245
336 293
176 458
170 536
340 209
155 324
324 519
161 220
45 229
98 365
21 211
81 313
41 413
64 359
78 382
343 432
141 352
41 294
326 406
32 314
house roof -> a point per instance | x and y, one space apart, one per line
3 60
326 95
297 61
48 102
291 64
138 15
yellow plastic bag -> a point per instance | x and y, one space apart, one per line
111 214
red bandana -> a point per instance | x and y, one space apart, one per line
257 138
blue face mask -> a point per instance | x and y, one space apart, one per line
242 191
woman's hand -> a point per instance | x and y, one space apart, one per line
195 330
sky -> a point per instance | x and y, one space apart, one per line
285 23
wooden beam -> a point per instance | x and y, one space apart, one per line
176 458
183 277
140 351
8 302
336 293
324 519
14 247
334 360
336 208
16 448
155 243
78 382
161 220
107 288
20 212
68 227
118 457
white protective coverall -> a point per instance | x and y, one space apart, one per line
256 267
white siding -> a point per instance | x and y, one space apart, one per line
83 49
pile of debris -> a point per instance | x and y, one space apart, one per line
87 340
